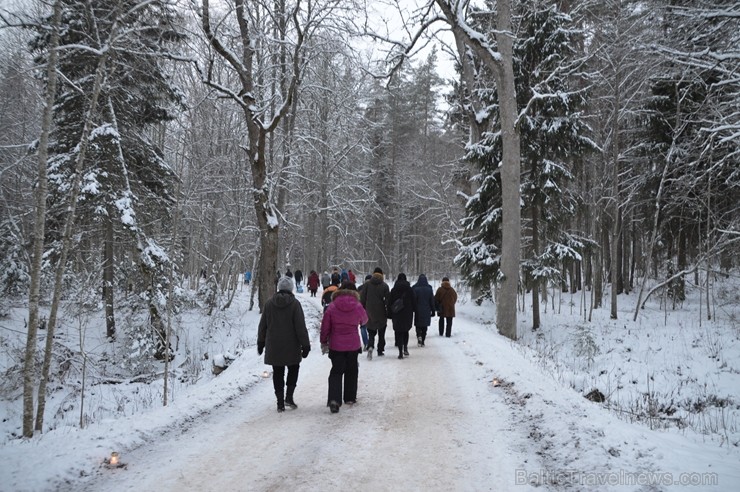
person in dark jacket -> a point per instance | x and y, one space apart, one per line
374 298
363 328
341 340
444 300
313 283
284 338
298 277
326 296
424 296
403 317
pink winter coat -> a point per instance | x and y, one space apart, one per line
340 326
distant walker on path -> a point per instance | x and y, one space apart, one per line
445 299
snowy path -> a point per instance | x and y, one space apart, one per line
418 425
430 422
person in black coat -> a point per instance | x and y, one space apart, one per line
403 306
424 295
283 336
374 298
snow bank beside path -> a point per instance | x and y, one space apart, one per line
582 445
433 421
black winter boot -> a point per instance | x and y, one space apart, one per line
280 401
400 352
289 397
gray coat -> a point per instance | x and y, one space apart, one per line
375 297
282 330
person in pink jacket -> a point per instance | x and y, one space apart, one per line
340 337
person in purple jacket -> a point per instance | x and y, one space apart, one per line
340 337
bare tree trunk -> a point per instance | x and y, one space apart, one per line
69 225
170 294
535 281
626 229
635 250
708 247
108 277
501 65
242 64
39 225
599 264
253 284
614 237
506 315
656 216
83 354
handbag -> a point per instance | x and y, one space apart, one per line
397 305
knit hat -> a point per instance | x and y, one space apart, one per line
377 270
401 276
285 283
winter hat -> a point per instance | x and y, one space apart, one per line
348 285
401 276
445 279
286 284
422 277
378 270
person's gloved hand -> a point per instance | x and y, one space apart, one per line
324 348
260 347
305 351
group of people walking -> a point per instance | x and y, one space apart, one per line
353 318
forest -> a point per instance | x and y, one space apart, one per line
153 151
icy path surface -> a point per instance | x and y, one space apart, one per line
419 424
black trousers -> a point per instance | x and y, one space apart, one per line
381 339
442 330
421 331
343 366
402 335
278 377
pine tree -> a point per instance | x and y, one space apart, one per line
126 181
553 134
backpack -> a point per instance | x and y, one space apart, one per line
397 306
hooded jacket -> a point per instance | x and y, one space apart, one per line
341 322
282 330
313 281
375 296
402 290
424 302
445 298
325 280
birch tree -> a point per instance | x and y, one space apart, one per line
39 223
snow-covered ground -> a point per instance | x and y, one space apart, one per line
473 412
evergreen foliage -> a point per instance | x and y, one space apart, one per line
553 135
